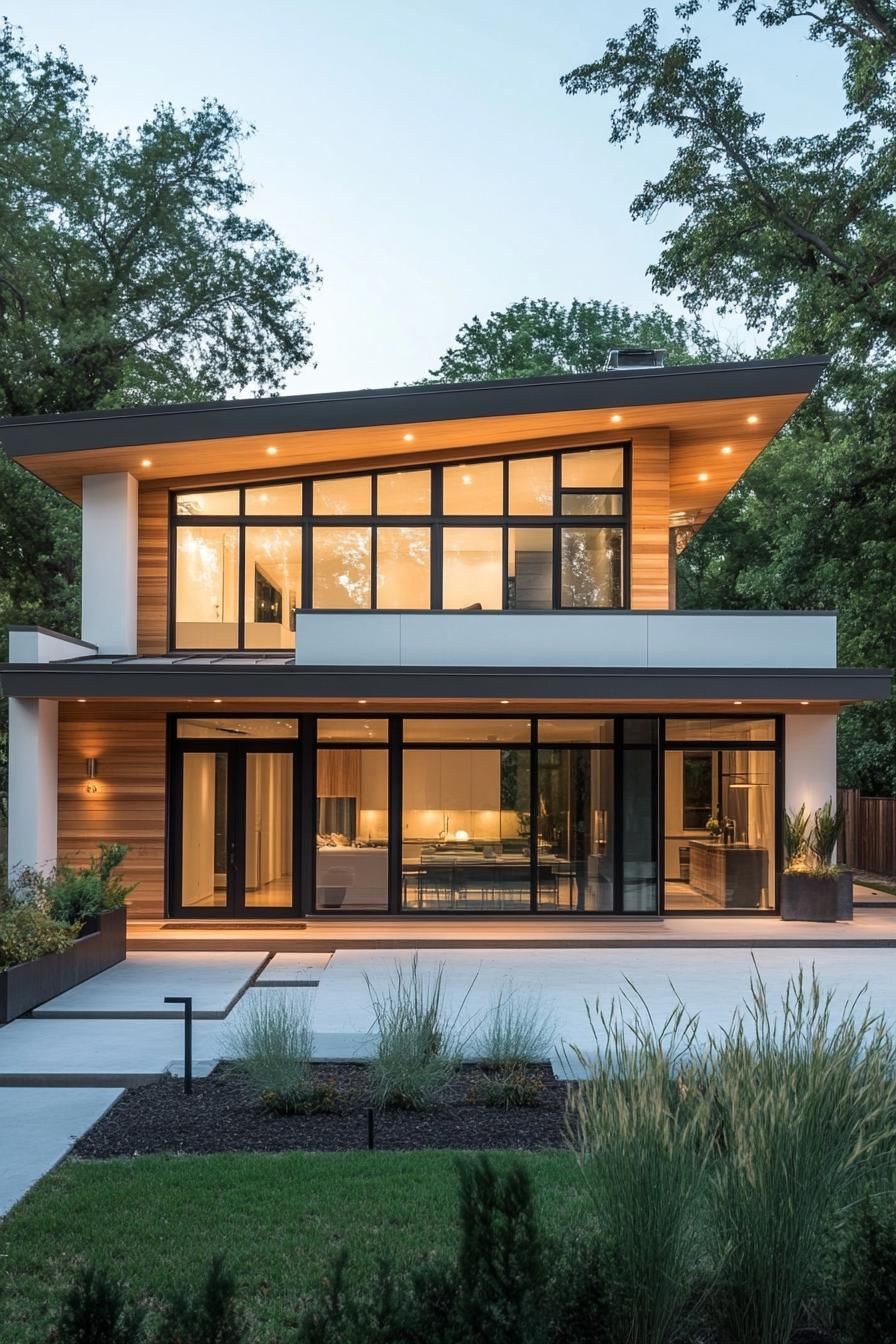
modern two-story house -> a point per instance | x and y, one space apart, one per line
416 651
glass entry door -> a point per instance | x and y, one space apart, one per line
234 830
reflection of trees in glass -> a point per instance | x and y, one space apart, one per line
352 554
591 567
515 788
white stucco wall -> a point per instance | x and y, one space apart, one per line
810 760
109 562
33 755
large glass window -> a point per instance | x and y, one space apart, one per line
518 534
272 586
403 568
474 489
575 829
207 593
471 568
341 560
352 863
591 567
466 822
530 569
719 844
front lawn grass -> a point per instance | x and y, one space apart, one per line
280 1219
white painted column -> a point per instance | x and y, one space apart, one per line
33 756
109 562
810 760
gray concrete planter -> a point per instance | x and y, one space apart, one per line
844 894
102 944
808 898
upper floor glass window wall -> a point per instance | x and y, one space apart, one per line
541 532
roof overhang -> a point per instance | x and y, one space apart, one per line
778 689
705 407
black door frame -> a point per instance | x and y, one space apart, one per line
236 753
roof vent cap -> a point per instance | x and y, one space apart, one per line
633 358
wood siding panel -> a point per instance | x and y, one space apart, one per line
650 521
152 569
128 742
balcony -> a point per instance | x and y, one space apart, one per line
557 639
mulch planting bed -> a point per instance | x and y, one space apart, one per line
224 1115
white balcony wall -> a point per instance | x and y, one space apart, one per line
567 639
109 562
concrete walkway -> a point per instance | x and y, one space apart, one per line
115 1030
39 1125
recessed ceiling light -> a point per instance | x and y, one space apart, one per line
216 702
615 419
271 451
727 449
81 700
467 480
738 702
704 476
362 702
804 702
505 702
752 419
408 438
147 462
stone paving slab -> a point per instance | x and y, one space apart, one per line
38 1126
292 968
137 987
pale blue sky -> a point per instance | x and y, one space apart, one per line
422 153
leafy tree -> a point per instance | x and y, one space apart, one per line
535 337
130 273
798 235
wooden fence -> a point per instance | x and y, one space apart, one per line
868 842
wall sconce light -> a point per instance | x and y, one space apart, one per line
90 771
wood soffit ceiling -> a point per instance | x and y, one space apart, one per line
701 474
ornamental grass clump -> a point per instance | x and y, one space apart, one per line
271 1043
419 1041
804 1107
516 1031
640 1127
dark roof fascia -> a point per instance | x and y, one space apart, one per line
130 681
25 436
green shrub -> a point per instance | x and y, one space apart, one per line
869 1282
641 1131
27 932
24 886
507 1088
516 1031
828 824
270 1042
795 835
418 1046
209 1316
96 1310
314 1099
498 1289
73 896
104 864
806 1108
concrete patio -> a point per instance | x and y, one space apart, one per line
60 1068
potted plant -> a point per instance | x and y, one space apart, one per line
827 829
808 889
713 829
59 929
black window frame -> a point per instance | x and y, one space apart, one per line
435 522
